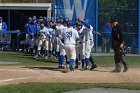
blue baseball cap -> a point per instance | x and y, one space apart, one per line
70 23
1 17
34 18
52 20
40 17
48 19
66 20
58 20
44 18
60 17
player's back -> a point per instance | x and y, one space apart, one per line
70 35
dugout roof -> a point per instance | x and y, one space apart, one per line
25 6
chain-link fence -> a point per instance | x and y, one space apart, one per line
126 12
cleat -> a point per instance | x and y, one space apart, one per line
125 69
83 68
36 56
76 67
59 67
71 69
62 67
116 71
79 63
86 68
93 67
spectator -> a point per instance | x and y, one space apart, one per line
3 28
106 37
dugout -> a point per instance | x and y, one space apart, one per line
16 15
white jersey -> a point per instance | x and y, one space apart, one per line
70 35
88 33
0 26
59 30
51 32
44 32
81 33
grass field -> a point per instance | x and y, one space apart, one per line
26 59
60 87
103 61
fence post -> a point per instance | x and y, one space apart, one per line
9 19
96 26
139 28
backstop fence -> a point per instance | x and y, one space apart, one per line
100 12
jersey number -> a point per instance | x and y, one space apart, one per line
68 34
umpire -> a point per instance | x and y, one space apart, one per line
118 47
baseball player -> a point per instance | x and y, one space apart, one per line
59 30
42 40
51 37
88 42
70 37
3 28
32 31
80 49
27 35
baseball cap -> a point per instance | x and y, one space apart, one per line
66 19
60 17
0 17
70 23
58 21
44 18
52 20
40 17
34 18
48 19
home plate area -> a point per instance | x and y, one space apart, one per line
23 74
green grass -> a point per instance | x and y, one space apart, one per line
24 59
60 87
108 61
103 61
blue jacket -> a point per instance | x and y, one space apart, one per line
32 29
4 28
26 27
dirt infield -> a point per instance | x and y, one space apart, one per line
22 74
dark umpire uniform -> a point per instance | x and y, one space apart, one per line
118 47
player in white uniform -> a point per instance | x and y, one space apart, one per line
51 37
59 30
70 36
88 42
80 49
42 40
